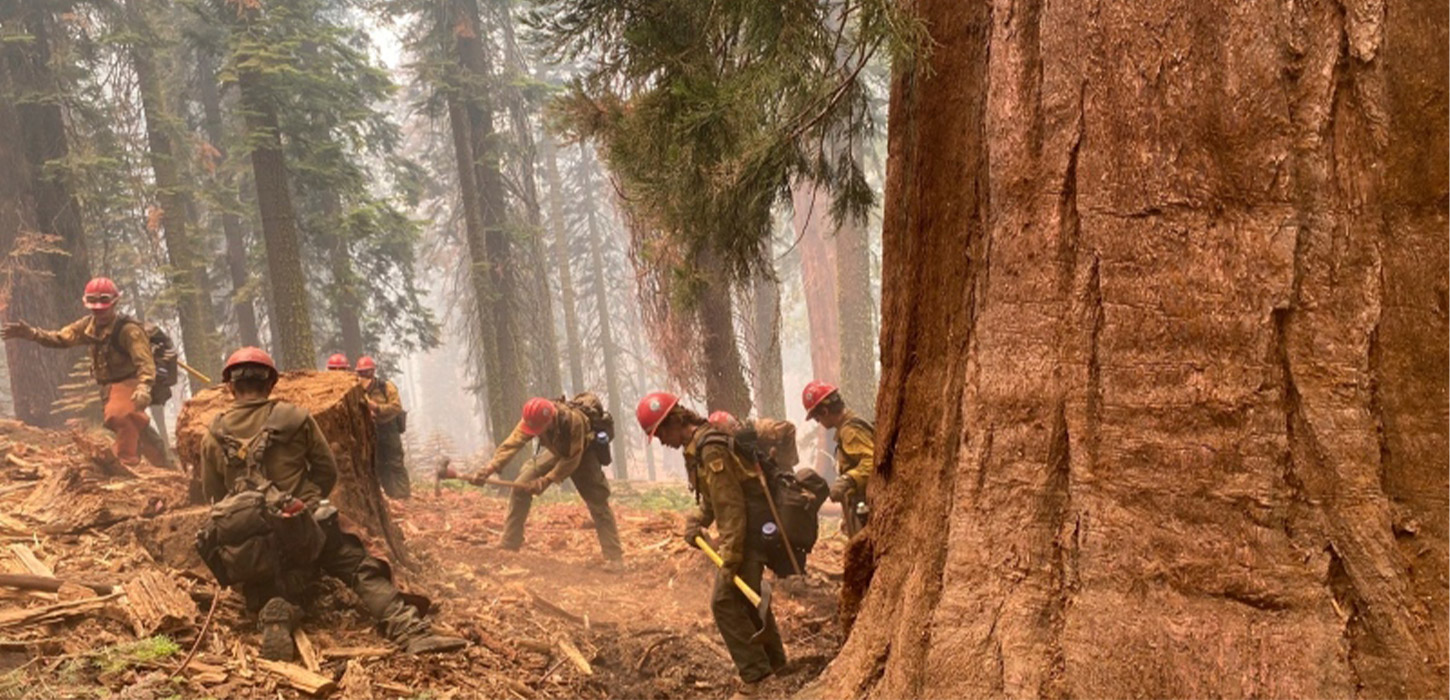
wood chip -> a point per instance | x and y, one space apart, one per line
32 563
571 652
298 677
305 651
157 603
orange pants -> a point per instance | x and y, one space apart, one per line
124 418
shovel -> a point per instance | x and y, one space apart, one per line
760 600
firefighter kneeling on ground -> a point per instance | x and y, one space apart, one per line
728 492
855 451
267 469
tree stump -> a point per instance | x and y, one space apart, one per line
340 407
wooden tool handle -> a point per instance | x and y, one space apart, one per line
740 583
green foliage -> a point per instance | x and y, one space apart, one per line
706 112
140 652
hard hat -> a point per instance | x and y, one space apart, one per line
337 361
815 393
248 356
538 415
652 410
366 364
722 419
101 294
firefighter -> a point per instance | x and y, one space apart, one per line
569 453
121 362
296 459
338 363
387 411
730 496
855 451
775 438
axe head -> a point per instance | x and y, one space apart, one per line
765 633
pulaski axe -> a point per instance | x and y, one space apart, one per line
760 600
446 472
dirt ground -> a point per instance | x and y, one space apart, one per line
645 632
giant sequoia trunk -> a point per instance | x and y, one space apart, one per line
1163 405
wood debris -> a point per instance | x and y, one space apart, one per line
298 677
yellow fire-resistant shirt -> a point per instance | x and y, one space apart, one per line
112 359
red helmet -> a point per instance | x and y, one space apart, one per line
816 392
337 361
101 294
366 364
538 415
248 356
652 410
722 419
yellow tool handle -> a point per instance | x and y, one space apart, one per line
193 371
740 583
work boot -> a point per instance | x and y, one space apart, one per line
433 644
612 566
746 691
277 619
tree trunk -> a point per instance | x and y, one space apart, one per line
290 318
765 317
725 388
562 263
599 286
348 302
811 218
1164 358
854 311
43 286
546 380
187 276
238 266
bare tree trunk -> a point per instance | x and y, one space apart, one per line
1164 358
290 317
853 298
187 276
765 317
42 285
489 251
602 306
545 357
811 219
563 264
725 388
348 302
243 311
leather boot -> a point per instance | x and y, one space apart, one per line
277 619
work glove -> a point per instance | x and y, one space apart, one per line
841 489
539 485
17 329
481 476
141 397
693 529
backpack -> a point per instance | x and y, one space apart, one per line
257 532
163 353
601 423
798 497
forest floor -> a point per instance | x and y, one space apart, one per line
545 622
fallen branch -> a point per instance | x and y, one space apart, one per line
205 625
553 609
639 665
50 584
356 652
298 677
305 650
54 613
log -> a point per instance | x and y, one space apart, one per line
158 604
298 677
54 613
340 407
